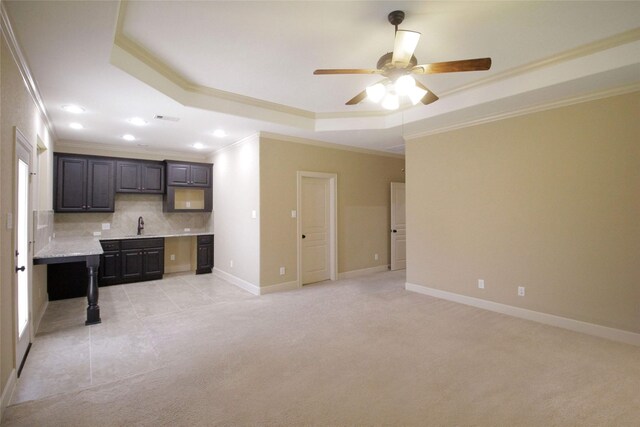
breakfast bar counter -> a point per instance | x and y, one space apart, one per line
73 249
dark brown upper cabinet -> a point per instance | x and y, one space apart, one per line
83 184
185 174
134 176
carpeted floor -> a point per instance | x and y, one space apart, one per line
357 352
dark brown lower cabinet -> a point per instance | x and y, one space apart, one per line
205 254
133 260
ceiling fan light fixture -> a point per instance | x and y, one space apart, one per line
390 102
404 85
376 92
416 94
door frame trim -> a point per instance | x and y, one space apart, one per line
21 140
333 222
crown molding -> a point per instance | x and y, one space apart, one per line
23 68
253 136
528 110
580 51
330 145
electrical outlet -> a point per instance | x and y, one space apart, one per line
172 257
294 214
187 230
231 263
375 257
481 283
520 291
97 233
282 271
188 204
106 226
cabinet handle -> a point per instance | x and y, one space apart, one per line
84 207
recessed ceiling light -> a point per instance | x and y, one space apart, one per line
137 121
198 145
73 109
75 125
219 133
128 137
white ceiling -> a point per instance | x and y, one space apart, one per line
192 59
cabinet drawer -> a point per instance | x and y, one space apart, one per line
142 243
204 239
110 245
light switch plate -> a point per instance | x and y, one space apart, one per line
254 214
294 214
106 226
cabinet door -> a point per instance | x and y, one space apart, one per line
109 268
205 259
152 178
100 185
71 179
200 175
178 174
153 263
127 177
131 264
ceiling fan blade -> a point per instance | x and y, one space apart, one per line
357 99
429 97
405 44
479 64
347 71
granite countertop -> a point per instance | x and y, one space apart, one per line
84 246
70 247
150 236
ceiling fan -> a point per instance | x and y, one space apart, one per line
397 68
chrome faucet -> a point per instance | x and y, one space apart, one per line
140 225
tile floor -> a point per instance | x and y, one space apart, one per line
67 355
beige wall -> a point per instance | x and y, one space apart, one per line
549 201
18 109
363 205
236 193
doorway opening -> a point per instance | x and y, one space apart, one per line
317 227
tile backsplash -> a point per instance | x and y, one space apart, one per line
43 229
124 221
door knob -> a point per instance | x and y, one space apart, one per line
303 236
20 269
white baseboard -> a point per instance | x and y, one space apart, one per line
280 287
7 393
613 334
363 272
39 316
241 283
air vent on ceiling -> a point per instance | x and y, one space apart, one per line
169 118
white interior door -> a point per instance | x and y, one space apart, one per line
398 227
23 256
315 217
